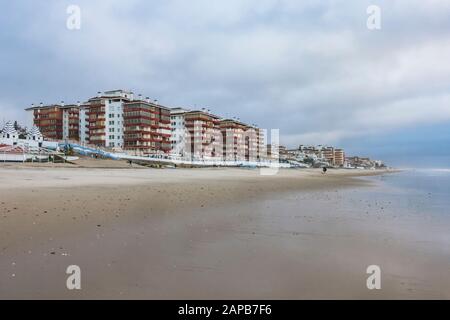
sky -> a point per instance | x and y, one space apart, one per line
312 69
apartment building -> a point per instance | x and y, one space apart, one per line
116 119
146 127
56 122
261 146
105 118
99 121
234 146
320 155
71 122
241 142
328 155
203 136
178 131
83 125
335 157
255 143
339 157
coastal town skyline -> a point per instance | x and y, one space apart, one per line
250 61
133 124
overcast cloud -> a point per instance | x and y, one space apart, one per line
310 68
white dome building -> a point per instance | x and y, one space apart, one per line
9 135
35 134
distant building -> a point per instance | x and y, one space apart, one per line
237 140
318 155
328 155
121 121
102 121
49 120
339 157
178 131
364 162
146 127
203 141
9 135
105 121
33 137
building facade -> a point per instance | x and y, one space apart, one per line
146 127
178 132
49 120
203 136
339 157
71 122
118 120
105 118
241 142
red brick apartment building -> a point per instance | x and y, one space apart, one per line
146 127
71 122
49 120
115 119
204 139
56 122
241 142
234 143
96 121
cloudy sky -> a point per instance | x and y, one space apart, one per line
310 68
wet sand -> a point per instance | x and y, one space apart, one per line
206 234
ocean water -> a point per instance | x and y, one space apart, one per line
423 192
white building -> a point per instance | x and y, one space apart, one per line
105 118
35 137
9 135
178 131
84 124
114 116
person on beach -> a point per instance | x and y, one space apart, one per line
324 170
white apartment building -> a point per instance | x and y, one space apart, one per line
114 122
106 118
84 124
114 116
178 131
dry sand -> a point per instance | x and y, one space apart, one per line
199 234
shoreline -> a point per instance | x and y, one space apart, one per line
285 179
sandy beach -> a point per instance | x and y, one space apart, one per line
208 234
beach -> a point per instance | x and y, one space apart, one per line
213 233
